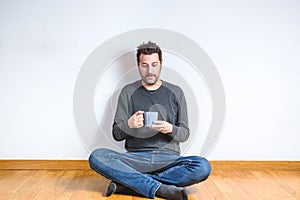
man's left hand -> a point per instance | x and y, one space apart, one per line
162 126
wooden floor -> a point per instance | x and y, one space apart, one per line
86 184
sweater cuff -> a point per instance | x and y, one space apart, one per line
174 132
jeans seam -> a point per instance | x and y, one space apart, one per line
155 190
167 171
129 158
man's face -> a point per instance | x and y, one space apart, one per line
149 68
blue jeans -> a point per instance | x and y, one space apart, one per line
144 171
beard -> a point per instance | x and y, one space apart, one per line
150 79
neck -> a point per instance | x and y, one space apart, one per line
152 87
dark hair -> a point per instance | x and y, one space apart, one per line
148 49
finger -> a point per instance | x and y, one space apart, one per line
138 121
154 128
139 125
140 117
137 113
158 122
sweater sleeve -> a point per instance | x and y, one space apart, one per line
120 127
181 131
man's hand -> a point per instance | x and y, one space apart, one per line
162 126
136 120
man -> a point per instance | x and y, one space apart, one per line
152 165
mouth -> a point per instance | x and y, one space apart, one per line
150 76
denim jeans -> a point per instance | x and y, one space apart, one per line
144 171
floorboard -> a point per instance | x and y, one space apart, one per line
86 184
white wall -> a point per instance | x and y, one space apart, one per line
254 44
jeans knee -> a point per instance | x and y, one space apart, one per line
206 167
97 157
202 168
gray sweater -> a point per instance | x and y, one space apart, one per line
168 100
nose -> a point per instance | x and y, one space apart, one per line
150 70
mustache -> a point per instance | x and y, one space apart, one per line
148 75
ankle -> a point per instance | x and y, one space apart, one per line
172 192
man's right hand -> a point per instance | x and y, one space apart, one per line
136 120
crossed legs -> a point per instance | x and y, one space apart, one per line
150 173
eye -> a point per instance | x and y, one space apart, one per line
154 64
